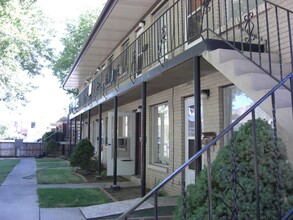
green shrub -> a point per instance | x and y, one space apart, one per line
82 155
51 147
197 195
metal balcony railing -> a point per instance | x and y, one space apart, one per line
153 46
247 26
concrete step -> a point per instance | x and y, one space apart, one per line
224 55
117 208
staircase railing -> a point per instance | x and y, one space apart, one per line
259 29
233 209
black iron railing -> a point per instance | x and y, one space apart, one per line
234 171
258 29
155 45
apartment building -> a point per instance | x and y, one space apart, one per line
159 79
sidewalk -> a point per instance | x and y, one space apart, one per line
18 197
19 200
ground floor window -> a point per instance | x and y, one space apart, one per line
236 103
160 133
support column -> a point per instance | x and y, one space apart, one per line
115 142
75 131
100 140
197 100
89 125
143 139
70 137
80 127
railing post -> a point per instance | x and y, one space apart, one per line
156 205
209 170
255 157
183 193
100 139
115 141
276 162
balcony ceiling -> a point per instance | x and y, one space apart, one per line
114 23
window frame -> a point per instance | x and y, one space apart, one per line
160 135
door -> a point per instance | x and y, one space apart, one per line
193 22
125 143
189 139
139 50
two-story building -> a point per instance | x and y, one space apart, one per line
155 77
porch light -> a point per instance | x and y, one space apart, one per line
139 109
141 24
205 93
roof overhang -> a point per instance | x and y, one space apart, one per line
116 21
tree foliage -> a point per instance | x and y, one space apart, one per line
82 155
197 195
24 47
76 34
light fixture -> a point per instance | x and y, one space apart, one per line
139 109
205 93
141 24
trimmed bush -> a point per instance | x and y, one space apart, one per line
51 147
82 155
197 195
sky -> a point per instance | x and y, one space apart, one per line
49 102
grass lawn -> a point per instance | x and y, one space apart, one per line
6 165
64 197
56 171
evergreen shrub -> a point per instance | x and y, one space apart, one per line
197 194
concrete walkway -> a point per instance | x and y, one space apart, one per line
18 196
19 200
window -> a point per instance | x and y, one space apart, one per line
125 57
235 104
160 128
241 7
193 20
161 18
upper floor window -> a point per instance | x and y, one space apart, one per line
160 132
125 57
162 21
241 7
193 19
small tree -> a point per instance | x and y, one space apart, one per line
51 147
197 195
51 140
82 155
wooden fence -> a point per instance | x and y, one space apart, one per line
18 148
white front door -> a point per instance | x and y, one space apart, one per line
125 143
189 139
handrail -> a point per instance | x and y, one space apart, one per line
128 64
206 147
